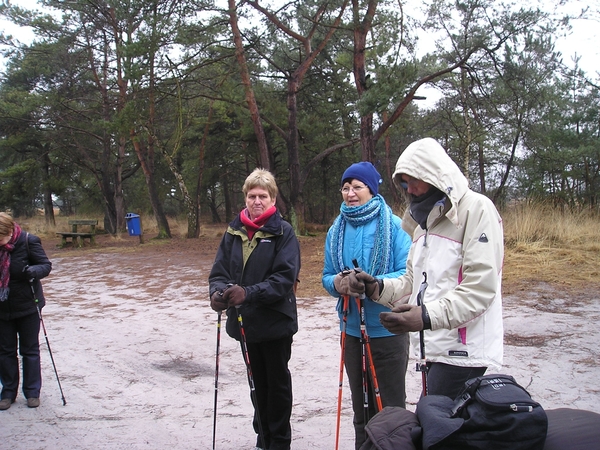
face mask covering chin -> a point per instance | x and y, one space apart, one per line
421 206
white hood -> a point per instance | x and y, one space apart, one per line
427 160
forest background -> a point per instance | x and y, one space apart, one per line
162 107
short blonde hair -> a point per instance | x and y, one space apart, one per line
261 178
7 224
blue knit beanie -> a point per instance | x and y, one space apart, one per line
365 172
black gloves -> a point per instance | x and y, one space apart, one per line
367 284
346 286
235 295
29 272
357 283
232 295
404 318
217 302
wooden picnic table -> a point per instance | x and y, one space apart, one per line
77 236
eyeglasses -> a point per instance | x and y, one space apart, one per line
356 189
410 182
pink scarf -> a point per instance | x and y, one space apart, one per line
5 252
252 226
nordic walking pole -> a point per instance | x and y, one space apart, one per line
346 301
422 364
250 377
366 355
370 357
366 343
35 299
217 355
216 377
365 387
363 346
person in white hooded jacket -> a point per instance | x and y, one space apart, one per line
450 296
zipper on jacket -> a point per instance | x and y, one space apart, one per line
440 214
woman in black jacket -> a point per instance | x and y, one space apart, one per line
254 274
23 262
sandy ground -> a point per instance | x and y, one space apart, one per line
134 341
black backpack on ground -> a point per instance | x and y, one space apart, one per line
493 412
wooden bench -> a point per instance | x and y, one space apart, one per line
78 237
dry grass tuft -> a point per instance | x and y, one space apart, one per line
541 224
545 244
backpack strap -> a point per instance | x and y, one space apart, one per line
466 396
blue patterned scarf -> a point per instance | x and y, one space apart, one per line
374 209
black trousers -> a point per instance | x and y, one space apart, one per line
390 358
23 332
448 380
273 382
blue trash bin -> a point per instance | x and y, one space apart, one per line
134 224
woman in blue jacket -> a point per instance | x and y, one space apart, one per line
367 231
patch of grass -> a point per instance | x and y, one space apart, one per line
551 245
542 224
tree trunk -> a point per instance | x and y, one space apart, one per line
294 157
48 205
250 98
201 154
390 166
481 162
119 198
146 160
513 152
464 96
361 30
